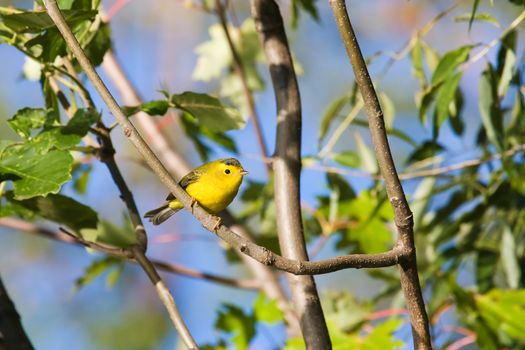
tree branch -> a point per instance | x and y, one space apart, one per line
287 169
241 72
139 249
177 165
12 334
402 215
70 238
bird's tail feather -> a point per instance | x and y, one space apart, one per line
161 214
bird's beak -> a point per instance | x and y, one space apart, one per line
244 172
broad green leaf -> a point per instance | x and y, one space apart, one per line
445 96
108 233
330 114
368 159
449 63
491 115
347 158
381 336
153 108
35 174
232 319
510 260
209 111
214 55
97 41
38 21
267 310
60 209
81 122
26 120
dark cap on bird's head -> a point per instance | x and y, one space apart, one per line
231 161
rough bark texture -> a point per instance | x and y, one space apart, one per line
12 334
287 170
402 215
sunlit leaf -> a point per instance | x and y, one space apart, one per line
267 310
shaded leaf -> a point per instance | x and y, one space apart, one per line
232 319
60 209
209 111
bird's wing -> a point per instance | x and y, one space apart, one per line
190 178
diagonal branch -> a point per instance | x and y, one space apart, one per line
287 169
177 165
138 250
402 215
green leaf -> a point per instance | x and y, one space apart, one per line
347 158
445 97
491 115
389 109
483 17
381 336
26 120
330 114
38 21
507 62
368 159
510 260
35 174
97 268
209 111
232 319
267 310
108 233
426 150
306 5
449 63
97 41
416 55
60 209
81 122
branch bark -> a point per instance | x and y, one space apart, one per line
70 238
402 215
287 169
138 250
178 166
12 334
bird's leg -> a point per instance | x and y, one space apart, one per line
217 223
192 204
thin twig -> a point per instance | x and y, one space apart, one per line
138 249
247 91
68 237
402 215
287 169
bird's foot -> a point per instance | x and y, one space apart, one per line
192 204
217 224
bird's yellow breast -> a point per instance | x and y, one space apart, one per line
214 193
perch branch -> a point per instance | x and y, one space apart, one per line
402 215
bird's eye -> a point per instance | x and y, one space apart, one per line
227 171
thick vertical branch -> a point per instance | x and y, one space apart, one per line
402 214
287 169
12 334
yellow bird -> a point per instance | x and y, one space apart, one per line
213 185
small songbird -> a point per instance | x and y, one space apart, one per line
213 185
